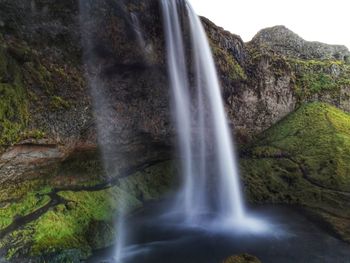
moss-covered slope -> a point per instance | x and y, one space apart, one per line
47 222
303 160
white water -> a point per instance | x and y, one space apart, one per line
105 118
204 137
211 182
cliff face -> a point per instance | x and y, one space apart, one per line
48 103
267 78
51 54
48 108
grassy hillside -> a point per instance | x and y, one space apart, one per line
305 160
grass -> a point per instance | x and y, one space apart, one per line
315 137
31 202
21 199
304 160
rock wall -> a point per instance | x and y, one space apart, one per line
52 50
266 79
51 54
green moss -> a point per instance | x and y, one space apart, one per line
33 134
28 85
65 226
31 202
228 64
16 241
12 191
13 101
304 159
314 77
272 181
317 136
3 61
21 199
19 69
151 183
263 56
37 73
68 226
58 103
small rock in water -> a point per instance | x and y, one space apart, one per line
243 258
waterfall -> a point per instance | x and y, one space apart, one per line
107 121
211 184
211 187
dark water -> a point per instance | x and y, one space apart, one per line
289 237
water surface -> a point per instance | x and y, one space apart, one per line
290 237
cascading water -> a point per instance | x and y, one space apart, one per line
211 179
106 118
209 165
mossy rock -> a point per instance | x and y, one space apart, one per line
227 64
14 114
85 220
243 258
319 78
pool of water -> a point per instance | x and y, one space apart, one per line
283 235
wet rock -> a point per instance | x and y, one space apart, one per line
243 258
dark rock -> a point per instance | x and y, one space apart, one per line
244 258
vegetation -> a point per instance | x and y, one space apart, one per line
228 64
31 85
65 226
13 99
59 103
318 137
28 204
278 64
304 159
68 225
315 77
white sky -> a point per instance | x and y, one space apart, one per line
315 20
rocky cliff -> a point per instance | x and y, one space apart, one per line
272 75
54 189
